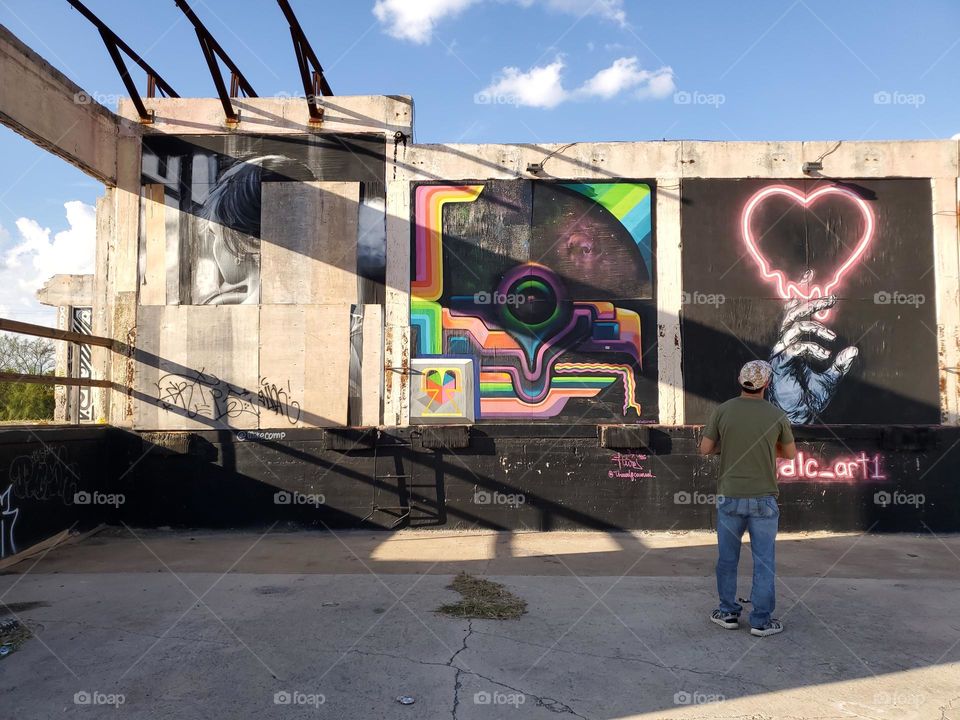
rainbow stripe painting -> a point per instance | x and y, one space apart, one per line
524 336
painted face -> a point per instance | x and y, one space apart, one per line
582 250
232 268
237 278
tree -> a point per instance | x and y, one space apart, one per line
26 401
23 355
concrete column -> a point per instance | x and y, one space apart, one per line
121 286
396 358
669 302
947 269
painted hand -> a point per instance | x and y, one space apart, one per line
797 388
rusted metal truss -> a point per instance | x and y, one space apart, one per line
315 84
311 72
115 45
211 51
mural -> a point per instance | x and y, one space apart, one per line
443 391
546 289
831 281
82 322
215 181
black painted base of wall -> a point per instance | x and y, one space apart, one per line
504 477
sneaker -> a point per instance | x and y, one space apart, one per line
726 620
771 628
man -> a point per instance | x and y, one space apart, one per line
749 433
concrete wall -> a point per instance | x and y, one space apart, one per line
910 187
521 477
238 350
51 481
255 305
669 167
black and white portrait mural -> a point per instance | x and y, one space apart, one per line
213 244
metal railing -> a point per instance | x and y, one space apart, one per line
76 339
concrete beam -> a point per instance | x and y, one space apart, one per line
385 114
72 290
46 107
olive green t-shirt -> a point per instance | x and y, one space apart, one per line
748 431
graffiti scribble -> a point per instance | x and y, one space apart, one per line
274 398
44 474
200 394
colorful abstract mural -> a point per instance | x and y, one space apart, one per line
545 288
442 391
831 281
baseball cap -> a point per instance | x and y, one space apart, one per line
755 374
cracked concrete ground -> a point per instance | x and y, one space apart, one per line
230 625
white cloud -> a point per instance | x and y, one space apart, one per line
415 20
606 9
542 86
538 87
659 85
35 256
626 74
955 137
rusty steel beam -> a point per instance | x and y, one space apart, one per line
15 326
114 44
53 380
211 52
311 72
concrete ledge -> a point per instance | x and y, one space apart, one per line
381 114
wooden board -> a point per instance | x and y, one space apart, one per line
308 242
371 368
327 364
282 356
304 365
153 281
198 367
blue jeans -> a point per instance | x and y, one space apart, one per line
761 516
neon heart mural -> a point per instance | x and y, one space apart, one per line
788 289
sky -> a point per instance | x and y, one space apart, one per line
500 71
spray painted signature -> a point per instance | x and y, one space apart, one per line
629 466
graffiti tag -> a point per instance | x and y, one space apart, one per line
274 398
629 466
859 468
200 394
44 474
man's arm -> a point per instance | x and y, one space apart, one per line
708 446
710 437
787 450
786 447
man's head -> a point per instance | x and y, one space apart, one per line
755 376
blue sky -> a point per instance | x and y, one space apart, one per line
504 71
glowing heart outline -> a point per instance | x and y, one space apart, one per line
787 289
